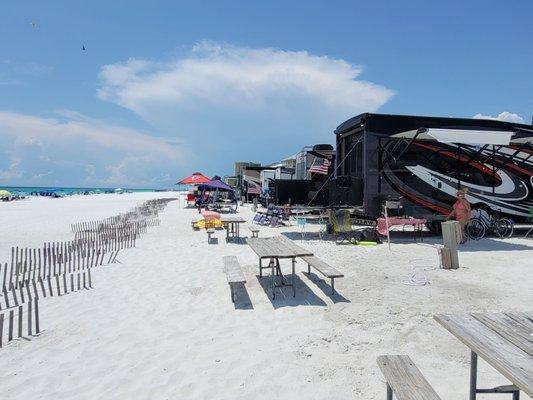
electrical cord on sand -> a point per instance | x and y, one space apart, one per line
419 266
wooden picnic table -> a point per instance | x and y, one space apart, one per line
231 224
504 340
275 248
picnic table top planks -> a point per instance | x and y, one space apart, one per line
504 340
277 247
232 219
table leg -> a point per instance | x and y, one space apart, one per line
389 392
273 278
473 375
227 232
260 267
292 279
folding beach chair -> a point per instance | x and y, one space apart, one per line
301 221
286 212
262 219
257 218
342 228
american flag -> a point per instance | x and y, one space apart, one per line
320 166
253 188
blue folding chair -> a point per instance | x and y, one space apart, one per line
301 221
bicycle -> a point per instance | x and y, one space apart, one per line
482 222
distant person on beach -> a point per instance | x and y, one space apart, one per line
461 211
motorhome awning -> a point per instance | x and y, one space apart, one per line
523 140
466 136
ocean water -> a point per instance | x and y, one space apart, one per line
24 190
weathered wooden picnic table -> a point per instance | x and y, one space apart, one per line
231 224
274 248
504 340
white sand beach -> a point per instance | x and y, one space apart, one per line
161 325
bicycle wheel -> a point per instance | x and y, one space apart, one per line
503 228
475 229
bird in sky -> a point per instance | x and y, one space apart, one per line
83 47
33 24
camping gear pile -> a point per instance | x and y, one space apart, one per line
210 219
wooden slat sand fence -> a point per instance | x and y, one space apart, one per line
96 243
59 268
52 260
31 288
19 321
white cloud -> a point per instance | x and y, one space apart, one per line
504 116
30 130
73 146
13 171
228 102
227 76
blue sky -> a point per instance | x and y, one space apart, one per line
165 88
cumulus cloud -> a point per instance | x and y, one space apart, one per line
224 93
504 116
231 76
73 146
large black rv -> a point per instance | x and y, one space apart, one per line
424 160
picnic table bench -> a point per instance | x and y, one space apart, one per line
404 379
209 231
255 231
503 340
312 261
325 269
234 273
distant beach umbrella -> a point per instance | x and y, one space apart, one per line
4 193
196 178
